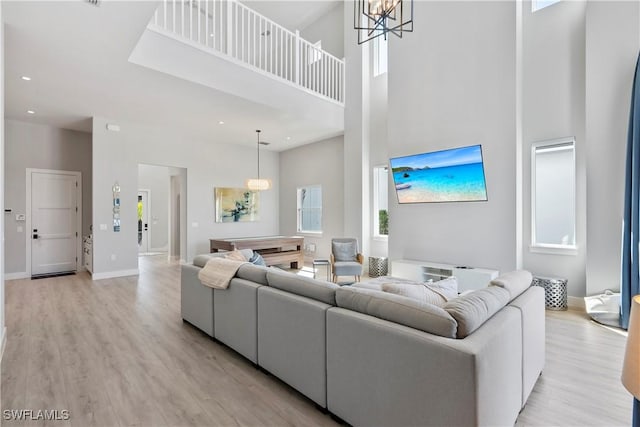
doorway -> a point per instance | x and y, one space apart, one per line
161 211
54 221
144 207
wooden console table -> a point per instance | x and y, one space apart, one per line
274 249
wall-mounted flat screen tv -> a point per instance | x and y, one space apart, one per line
455 175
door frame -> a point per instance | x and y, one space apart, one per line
28 226
149 218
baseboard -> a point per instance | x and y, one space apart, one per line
16 276
4 343
163 249
576 303
114 274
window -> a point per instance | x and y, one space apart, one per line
310 209
380 55
380 202
553 198
541 4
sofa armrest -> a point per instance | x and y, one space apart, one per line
196 300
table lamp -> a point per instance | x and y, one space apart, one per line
631 367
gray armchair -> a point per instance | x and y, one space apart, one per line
345 258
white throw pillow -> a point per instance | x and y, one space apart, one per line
436 293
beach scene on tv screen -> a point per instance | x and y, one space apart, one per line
442 176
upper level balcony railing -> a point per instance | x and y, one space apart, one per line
233 29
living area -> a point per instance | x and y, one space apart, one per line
511 81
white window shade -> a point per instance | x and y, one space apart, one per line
553 194
310 209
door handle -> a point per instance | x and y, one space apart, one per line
35 236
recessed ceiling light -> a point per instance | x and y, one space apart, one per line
220 122
25 78
31 112
288 138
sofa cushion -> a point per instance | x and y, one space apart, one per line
377 282
436 293
515 282
303 286
253 273
398 309
344 251
368 284
475 308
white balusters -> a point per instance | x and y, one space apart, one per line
231 28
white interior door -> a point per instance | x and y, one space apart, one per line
143 221
54 221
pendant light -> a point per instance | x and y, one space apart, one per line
375 18
258 184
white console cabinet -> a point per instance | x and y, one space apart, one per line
469 278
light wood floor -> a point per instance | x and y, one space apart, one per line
116 353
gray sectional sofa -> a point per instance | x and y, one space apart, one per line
374 359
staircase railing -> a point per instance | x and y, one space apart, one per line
233 29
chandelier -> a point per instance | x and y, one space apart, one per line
258 184
375 18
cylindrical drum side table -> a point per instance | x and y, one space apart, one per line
555 291
378 266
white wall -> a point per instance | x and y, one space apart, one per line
330 29
3 332
178 212
356 135
156 180
318 163
451 84
29 145
209 164
553 107
378 153
612 41
366 138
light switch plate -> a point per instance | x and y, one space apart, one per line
103 227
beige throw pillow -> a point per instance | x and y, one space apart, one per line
436 293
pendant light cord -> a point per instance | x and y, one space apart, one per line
258 132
